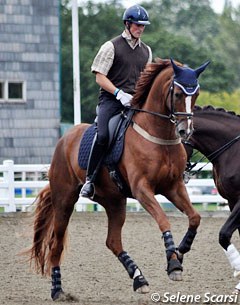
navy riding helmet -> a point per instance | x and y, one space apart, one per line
136 14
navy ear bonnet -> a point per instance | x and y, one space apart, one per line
187 78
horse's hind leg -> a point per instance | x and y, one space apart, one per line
116 213
63 201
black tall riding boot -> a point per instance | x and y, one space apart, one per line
94 163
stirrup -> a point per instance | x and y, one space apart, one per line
88 190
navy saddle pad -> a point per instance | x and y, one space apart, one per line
112 156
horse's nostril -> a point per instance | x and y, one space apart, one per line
182 133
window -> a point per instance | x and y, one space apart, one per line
15 91
12 91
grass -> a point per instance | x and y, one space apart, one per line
211 207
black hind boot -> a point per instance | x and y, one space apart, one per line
56 290
94 163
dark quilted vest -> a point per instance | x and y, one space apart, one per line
127 64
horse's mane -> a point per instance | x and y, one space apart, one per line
211 108
146 79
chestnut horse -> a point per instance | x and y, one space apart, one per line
217 136
152 162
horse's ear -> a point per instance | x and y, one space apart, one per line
176 68
199 70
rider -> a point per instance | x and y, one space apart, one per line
117 67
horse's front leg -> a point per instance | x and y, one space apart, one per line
145 196
180 198
116 212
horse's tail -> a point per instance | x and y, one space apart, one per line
43 235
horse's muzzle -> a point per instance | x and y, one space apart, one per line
184 129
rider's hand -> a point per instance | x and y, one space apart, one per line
124 98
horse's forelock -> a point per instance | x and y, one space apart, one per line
146 79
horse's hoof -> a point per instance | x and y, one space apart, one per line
174 270
175 275
140 284
143 289
59 296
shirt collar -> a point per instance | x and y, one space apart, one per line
130 40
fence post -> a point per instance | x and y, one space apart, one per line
8 177
205 206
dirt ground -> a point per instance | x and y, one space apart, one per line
94 276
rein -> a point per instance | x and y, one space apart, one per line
163 116
220 150
171 117
210 157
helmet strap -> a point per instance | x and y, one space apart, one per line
128 26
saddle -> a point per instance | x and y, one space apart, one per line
117 127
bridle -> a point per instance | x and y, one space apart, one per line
210 157
173 116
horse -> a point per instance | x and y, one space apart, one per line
152 162
216 135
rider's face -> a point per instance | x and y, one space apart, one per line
136 30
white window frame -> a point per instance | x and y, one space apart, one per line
4 90
6 98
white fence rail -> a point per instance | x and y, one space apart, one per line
19 185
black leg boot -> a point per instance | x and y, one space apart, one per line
94 163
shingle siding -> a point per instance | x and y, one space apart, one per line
29 52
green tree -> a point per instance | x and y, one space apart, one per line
227 42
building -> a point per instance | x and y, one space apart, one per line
29 80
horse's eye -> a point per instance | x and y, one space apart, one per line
178 95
